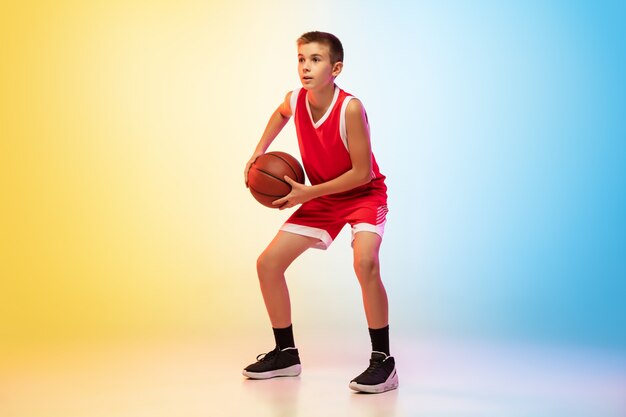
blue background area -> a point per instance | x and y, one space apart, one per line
502 131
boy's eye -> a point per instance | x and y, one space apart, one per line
300 59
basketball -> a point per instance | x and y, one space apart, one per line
266 176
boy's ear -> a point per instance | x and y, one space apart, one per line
337 68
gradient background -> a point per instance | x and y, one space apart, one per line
125 127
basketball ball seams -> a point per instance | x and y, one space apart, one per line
295 174
267 195
272 176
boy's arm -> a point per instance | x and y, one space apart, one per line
360 154
277 121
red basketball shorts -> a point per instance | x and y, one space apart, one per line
323 218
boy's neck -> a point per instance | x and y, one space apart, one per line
321 99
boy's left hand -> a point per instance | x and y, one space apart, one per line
299 194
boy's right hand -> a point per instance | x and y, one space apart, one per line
248 165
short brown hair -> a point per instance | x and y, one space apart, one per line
325 38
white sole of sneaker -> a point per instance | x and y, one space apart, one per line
290 371
388 385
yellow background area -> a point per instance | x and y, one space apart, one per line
124 132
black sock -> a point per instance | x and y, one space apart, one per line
380 339
284 337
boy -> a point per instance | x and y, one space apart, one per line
346 187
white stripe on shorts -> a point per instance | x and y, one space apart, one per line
379 229
324 238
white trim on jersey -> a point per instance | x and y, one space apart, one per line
342 122
293 100
343 132
328 111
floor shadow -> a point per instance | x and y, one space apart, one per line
279 395
375 405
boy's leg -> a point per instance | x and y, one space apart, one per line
271 267
381 375
366 246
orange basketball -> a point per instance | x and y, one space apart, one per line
266 176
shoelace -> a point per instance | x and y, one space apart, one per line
374 366
267 356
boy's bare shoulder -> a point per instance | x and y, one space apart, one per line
285 106
355 111
354 106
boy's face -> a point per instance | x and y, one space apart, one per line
314 67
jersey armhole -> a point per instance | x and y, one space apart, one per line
294 100
342 121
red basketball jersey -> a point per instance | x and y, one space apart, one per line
324 145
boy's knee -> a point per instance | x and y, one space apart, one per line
263 262
366 267
267 263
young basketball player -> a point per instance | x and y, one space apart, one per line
346 187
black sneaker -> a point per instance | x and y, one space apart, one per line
381 375
285 362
